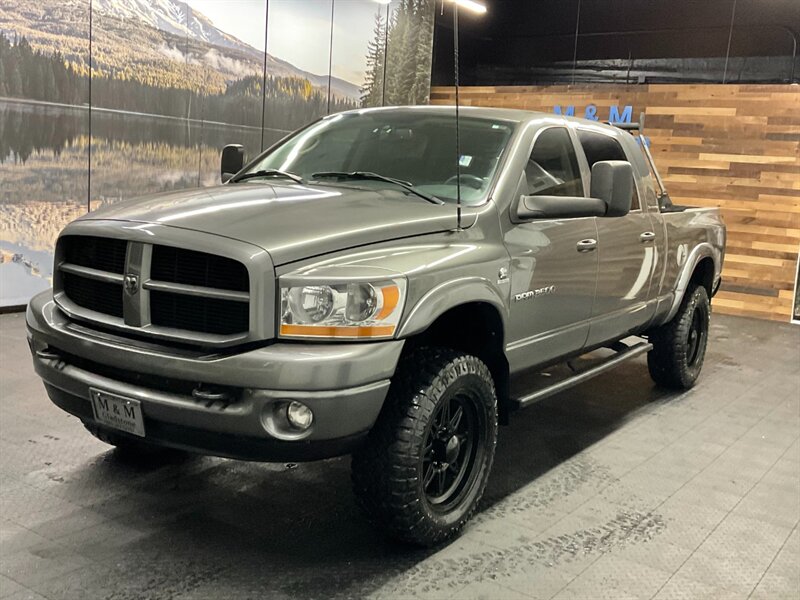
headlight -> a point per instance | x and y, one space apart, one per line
342 310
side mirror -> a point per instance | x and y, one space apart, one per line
559 207
612 182
231 162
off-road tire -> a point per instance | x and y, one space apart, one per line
389 470
677 357
130 447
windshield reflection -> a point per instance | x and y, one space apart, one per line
403 144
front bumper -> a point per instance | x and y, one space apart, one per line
344 385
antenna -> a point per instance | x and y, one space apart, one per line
458 138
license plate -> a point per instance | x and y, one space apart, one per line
117 411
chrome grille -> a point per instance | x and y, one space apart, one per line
154 288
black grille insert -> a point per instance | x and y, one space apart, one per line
105 254
190 267
197 313
100 296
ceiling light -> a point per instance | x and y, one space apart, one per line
472 5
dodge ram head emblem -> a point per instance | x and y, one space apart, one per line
131 284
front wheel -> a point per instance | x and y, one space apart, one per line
679 347
425 464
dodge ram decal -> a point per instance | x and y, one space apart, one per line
542 291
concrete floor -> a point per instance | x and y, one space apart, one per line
614 489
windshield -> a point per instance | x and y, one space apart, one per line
410 146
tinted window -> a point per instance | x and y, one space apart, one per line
650 190
411 145
597 147
552 169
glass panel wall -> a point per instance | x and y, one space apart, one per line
623 41
170 84
44 75
227 108
143 79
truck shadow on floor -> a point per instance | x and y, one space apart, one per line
203 527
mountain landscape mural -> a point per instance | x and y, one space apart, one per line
155 43
167 88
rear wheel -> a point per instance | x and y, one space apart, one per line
425 464
679 347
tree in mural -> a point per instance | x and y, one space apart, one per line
407 55
3 91
423 53
372 91
34 75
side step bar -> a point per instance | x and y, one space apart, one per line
623 354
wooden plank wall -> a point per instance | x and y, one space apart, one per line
732 146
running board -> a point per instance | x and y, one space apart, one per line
609 363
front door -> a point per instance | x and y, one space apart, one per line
553 261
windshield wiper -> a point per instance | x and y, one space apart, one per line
367 176
268 173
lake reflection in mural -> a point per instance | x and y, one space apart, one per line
43 167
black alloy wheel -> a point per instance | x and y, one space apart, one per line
451 449
679 347
697 337
422 471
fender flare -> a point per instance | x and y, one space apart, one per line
698 253
446 296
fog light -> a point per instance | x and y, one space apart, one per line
299 415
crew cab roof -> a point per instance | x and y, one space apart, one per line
502 114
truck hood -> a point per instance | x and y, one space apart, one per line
291 222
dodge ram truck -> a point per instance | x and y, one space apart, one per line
373 285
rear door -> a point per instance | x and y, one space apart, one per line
627 252
553 261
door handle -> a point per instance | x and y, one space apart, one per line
647 236
587 245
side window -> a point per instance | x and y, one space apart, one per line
650 188
552 168
599 147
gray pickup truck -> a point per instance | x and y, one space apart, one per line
373 285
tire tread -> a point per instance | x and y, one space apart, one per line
384 470
667 360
